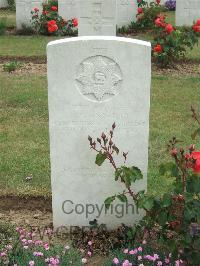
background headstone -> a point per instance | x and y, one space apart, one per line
23 11
126 12
187 11
106 80
97 17
68 9
3 3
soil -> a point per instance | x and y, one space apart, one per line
37 65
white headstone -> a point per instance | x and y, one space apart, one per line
126 12
187 11
93 82
3 3
23 11
97 17
68 9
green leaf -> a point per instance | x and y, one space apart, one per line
148 203
162 218
195 133
100 158
167 201
170 169
108 201
118 173
135 173
122 197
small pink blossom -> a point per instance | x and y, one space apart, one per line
159 263
140 249
126 263
46 246
125 251
67 247
3 254
115 261
38 254
31 263
139 258
89 253
90 243
144 242
133 251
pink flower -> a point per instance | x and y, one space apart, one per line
144 242
167 261
159 263
8 247
115 261
125 251
3 254
139 258
38 254
67 247
178 263
133 252
126 263
46 246
31 263
140 249
89 253
90 243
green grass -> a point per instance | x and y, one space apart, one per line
24 141
24 45
10 17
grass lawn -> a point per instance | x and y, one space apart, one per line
9 16
24 140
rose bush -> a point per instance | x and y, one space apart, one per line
172 222
48 22
147 13
172 42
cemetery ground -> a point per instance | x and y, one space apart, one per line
24 137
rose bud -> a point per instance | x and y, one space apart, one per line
99 140
173 152
113 126
192 147
103 135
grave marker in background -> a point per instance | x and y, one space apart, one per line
23 11
97 17
187 11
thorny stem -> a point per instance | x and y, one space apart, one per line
109 151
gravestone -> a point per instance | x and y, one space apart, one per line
97 17
187 11
67 9
126 12
3 3
23 11
106 80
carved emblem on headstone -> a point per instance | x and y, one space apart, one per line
99 78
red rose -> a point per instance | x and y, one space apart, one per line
75 22
54 8
160 22
169 28
45 12
158 2
198 22
158 48
196 28
195 155
140 10
52 26
36 9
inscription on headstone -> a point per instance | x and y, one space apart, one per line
187 11
97 17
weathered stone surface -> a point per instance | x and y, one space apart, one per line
93 82
187 11
23 11
97 17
